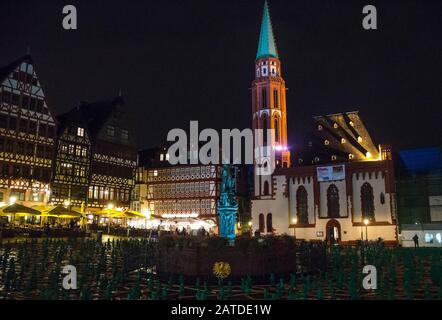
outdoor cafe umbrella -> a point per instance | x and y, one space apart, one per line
59 211
17 209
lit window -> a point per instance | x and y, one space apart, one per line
155 173
110 131
351 123
124 134
326 142
167 157
359 139
343 140
335 125
428 238
161 157
351 156
80 132
333 157
438 238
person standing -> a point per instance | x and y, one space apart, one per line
416 241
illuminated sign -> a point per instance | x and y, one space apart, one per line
331 173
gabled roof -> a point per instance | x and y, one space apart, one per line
266 46
8 69
96 113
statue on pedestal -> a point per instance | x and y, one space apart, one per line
227 204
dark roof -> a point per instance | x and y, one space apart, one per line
96 113
8 69
421 160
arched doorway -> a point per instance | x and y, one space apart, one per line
333 231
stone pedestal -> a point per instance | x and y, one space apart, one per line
227 221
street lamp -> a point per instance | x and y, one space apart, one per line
366 222
295 221
12 200
110 206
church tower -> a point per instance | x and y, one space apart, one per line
269 104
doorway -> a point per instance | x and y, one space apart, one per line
333 232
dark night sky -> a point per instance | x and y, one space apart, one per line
184 60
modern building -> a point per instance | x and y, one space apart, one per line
27 133
419 194
341 187
96 157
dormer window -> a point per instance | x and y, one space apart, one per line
343 140
334 157
110 131
316 159
351 156
124 134
319 127
335 125
80 132
326 142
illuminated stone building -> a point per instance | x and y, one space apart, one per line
27 131
340 188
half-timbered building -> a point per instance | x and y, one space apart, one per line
71 170
114 154
27 130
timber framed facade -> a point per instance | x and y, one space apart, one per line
27 132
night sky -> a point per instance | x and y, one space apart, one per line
184 60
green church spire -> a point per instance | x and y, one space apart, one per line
266 46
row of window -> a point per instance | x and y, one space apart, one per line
113 131
25 77
264 101
69 169
108 193
265 223
24 171
184 173
185 206
204 188
333 206
26 126
25 148
78 150
265 126
20 195
24 102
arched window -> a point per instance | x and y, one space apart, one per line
261 222
264 98
367 201
332 201
301 205
266 188
275 99
269 223
276 126
265 126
